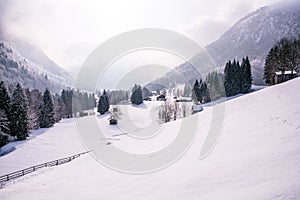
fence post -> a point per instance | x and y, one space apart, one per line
23 172
7 177
56 162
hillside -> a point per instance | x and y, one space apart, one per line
252 36
255 34
29 65
257 157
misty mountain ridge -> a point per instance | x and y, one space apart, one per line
252 36
29 65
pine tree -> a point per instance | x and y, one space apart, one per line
137 95
66 96
206 95
201 91
283 56
246 75
19 125
269 69
106 101
101 105
294 56
4 108
228 79
46 117
3 126
236 74
197 92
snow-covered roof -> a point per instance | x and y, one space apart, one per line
197 108
285 72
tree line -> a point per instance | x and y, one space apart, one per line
237 78
115 97
22 110
283 56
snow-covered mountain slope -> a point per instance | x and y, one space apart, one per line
257 157
252 36
255 34
29 65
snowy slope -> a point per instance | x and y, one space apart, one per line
257 157
46 145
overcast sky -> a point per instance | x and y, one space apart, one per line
68 30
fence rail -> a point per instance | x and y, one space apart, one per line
28 170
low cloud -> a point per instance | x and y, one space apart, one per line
204 30
67 30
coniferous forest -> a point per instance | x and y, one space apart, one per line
22 109
283 56
237 78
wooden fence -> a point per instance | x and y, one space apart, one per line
28 170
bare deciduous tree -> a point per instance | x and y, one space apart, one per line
166 111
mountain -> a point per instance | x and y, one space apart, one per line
252 36
255 34
29 65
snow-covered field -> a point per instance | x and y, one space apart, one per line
45 145
257 157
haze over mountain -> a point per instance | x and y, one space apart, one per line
252 36
29 65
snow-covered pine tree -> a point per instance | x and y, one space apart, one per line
46 116
19 125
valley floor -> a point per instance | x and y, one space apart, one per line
256 157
